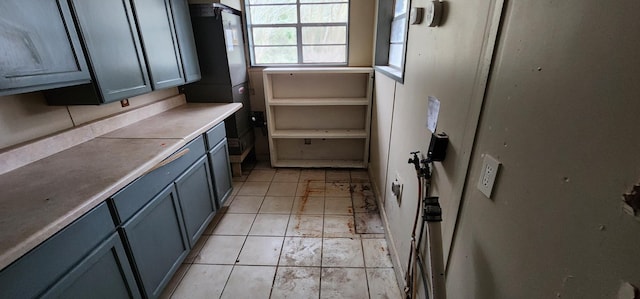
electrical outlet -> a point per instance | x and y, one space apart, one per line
396 187
488 174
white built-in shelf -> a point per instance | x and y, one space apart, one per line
319 117
320 102
319 134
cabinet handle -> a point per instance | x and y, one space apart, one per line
172 158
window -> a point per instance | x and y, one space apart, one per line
297 32
392 37
397 36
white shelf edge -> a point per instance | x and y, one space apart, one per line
319 163
333 70
360 134
320 102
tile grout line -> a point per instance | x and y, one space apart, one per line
366 274
273 283
173 291
233 267
353 212
355 228
237 256
324 211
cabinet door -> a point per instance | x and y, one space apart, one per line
155 23
196 199
39 46
157 241
32 274
221 171
105 273
110 37
186 42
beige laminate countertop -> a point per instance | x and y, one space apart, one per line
41 198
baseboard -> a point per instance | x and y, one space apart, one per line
391 245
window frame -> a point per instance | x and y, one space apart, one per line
298 28
386 15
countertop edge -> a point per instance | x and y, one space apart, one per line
15 252
11 158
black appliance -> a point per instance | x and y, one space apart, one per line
220 44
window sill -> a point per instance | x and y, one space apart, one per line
391 72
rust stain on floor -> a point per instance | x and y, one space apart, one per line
305 197
298 223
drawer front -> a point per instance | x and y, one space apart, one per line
133 197
37 270
215 135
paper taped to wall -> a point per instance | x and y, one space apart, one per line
432 113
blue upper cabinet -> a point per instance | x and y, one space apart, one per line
159 41
186 40
39 47
132 47
111 40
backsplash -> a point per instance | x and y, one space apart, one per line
26 117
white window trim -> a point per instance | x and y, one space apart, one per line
299 44
383 34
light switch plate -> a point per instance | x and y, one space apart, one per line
488 174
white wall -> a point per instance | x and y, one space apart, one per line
444 62
560 113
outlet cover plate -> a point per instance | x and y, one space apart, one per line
488 174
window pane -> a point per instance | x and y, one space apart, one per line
395 55
397 30
274 36
324 35
274 14
324 13
324 54
400 7
270 1
274 55
322 1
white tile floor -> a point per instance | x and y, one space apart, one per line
292 233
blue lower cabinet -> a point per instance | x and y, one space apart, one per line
196 199
130 199
84 260
162 215
221 171
105 273
131 245
157 241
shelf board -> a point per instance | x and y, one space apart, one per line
355 133
316 70
320 102
319 163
